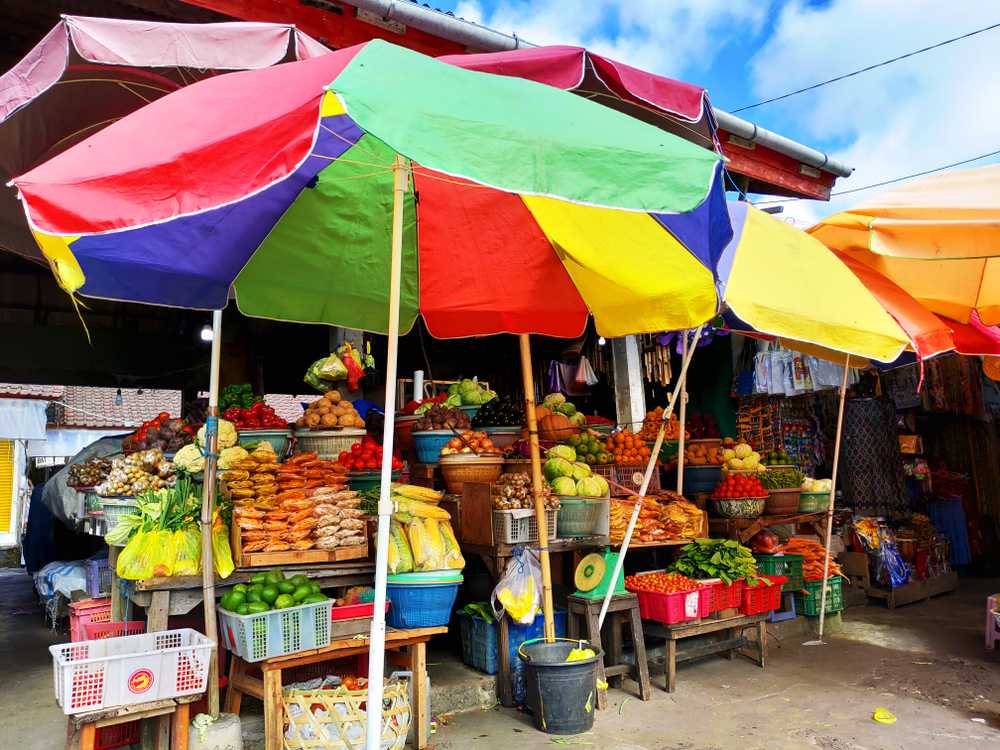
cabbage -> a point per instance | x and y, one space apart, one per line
562 451
602 483
566 408
564 486
557 467
453 389
580 470
728 454
588 487
553 399
743 450
468 386
735 463
489 396
471 398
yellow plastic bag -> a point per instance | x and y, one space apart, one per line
188 545
222 554
149 554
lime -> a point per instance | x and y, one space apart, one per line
260 578
255 608
269 594
286 587
301 593
314 599
299 580
241 587
258 587
274 578
284 602
233 600
253 596
314 587
243 609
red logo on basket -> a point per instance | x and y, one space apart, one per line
140 681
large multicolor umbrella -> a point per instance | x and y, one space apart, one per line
89 72
937 237
528 208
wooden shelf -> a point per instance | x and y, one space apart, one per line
651 545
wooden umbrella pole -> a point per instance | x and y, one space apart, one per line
376 644
537 485
683 418
653 456
208 513
833 492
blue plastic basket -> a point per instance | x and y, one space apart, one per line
480 648
420 605
428 445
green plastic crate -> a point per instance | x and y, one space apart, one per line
808 603
789 566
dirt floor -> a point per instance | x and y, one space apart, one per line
924 662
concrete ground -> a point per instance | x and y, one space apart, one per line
925 663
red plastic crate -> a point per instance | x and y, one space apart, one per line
352 611
725 596
87 611
671 609
93 631
118 735
762 598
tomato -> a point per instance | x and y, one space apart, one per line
356 449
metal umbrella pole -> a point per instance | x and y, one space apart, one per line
376 644
829 511
208 514
653 456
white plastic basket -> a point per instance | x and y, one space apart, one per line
278 632
91 675
520 527
115 508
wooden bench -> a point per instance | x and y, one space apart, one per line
243 682
733 642
171 714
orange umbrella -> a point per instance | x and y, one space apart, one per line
937 237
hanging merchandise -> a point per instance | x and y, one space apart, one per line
519 591
656 360
556 384
872 475
324 373
352 361
585 375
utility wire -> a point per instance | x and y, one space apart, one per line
870 67
889 182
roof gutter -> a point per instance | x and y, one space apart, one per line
481 38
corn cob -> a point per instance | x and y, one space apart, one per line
421 509
415 492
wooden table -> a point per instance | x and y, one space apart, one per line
742 529
171 714
268 688
734 641
178 595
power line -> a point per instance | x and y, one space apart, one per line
870 67
889 182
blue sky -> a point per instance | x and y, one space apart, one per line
936 108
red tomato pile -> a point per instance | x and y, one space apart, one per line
662 583
738 486
260 416
365 456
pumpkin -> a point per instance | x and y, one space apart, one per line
556 427
541 412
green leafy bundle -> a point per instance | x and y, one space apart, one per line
781 479
717 558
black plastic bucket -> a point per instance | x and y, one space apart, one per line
562 695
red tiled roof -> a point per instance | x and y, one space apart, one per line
289 407
85 406
42 392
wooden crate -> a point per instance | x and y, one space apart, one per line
475 521
292 556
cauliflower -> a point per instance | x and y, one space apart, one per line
229 456
743 450
227 434
752 461
728 455
735 463
807 484
553 399
190 459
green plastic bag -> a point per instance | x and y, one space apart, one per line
188 544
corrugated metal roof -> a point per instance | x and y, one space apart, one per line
89 407
21 390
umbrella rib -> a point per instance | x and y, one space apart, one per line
133 92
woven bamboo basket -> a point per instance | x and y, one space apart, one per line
335 719
459 468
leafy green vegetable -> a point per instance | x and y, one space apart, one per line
781 479
717 558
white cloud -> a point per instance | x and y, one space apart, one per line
932 109
665 38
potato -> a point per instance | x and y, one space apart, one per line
346 421
312 420
328 420
359 422
323 410
334 396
